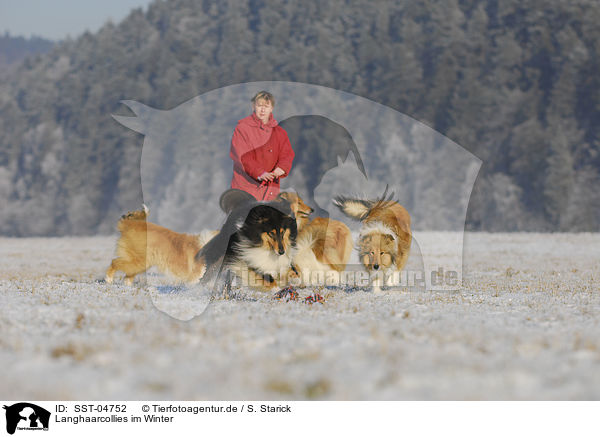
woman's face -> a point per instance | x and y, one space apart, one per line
263 109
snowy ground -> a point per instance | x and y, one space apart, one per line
525 325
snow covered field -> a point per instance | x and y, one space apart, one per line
525 325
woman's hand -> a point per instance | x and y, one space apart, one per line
269 176
266 176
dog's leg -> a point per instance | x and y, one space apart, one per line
260 281
392 278
337 247
117 265
110 273
198 271
377 281
130 268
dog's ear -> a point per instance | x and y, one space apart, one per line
389 238
364 242
405 238
288 199
283 206
285 196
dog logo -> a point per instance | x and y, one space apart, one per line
26 416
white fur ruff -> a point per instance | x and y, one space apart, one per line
377 227
264 260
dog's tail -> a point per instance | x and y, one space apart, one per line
359 209
205 236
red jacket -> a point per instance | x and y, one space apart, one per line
257 148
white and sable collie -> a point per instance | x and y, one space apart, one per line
142 245
385 237
300 209
323 247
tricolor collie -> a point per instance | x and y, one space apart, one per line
385 237
256 243
142 245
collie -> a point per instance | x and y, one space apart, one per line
324 247
233 198
142 245
385 236
256 243
300 209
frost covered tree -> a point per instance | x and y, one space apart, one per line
501 79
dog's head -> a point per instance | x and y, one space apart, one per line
300 209
377 251
141 214
271 227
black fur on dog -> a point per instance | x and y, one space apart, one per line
262 235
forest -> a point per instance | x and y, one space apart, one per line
14 49
515 83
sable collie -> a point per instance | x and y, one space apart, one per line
323 250
300 209
385 237
142 245
256 243
323 245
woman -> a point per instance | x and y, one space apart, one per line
260 150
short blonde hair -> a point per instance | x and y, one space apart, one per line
264 95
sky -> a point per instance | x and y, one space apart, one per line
55 19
